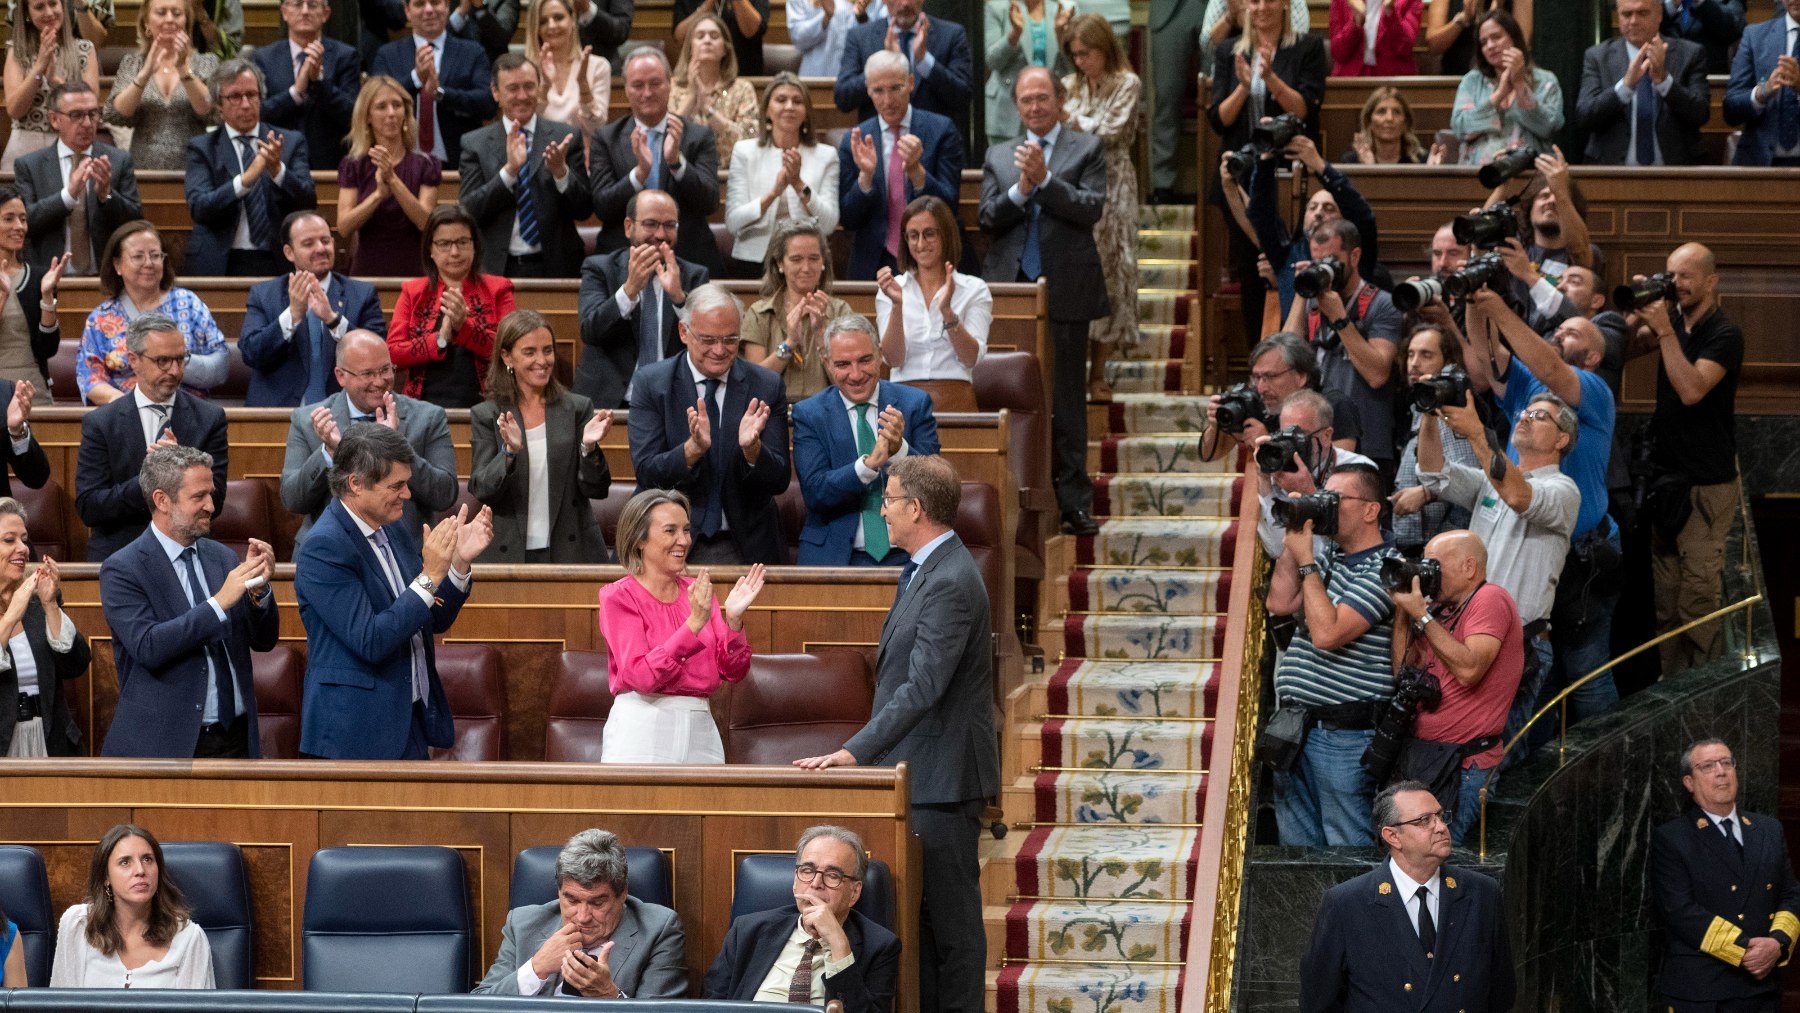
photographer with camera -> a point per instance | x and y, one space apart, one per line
1338 671
1280 365
1336 199
1523 513
1297 459
1464 631
1693 443
1558 232
1355 327
1418 515
1565 364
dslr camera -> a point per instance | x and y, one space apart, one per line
1320 276
1488 228
1241 165
1239 405
1408 296
1277 455
1277 134
1506 166
1635 296
1415 689
1397 573
1320 507
1449 387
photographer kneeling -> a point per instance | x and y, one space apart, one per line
1338 671
1463 631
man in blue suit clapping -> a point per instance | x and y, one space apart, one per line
372 595
899 153
293 322
1761 95
844 438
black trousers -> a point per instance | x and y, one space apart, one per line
1770 1003
222 741
254 264
718 549
953 940
1068 416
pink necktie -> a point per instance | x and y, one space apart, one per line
896 193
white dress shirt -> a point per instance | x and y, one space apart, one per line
929 353
821 42
1629 97
675 172
775 984
1048 143
884 146
148 419
864 473
719 399
1409 894
240 240
336 331
517 246
209 712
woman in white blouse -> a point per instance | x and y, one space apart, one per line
941 329
784 173
42 647
133 931
577 84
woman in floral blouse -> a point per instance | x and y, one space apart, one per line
444 323
707 86
137 277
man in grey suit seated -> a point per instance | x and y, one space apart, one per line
594 940
366 374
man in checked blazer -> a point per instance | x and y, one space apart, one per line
934 710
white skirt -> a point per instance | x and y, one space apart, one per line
650 728
28 739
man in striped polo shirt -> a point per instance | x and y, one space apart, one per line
1339 664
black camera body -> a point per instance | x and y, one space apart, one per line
1239 405
1277 455
1635 296
1320 276
1276 134
1241 165
1485 271
1397 573
1415 689
1320 507
1488 228
1507 165
1449 387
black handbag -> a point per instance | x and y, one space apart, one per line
1283 737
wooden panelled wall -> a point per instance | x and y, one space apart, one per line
281 811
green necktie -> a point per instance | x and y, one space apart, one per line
875 534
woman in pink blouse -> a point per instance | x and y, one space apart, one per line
669 642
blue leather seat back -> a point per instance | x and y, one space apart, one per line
767 881
25 893
386 919
169 1000
649 876
211 875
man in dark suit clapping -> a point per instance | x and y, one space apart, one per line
630 301
447 77
1644 96
1040 197
934 672
243 179
78 190
898 153
715 427
936 53
310 82
293 322
652 148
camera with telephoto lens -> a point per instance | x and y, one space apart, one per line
1320 507
1239 405
1450 386
1276 134
1635 296
1320 276
1408 296
1486 229
1277 454
1397 573
1506 166
1415 689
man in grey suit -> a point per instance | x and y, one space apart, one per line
594 940
1643 97
76 191
1040 197
524 178
934 709
366 374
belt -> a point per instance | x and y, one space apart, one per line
526 258
1356 716
30 706
222 727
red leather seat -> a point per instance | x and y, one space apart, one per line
280 676
62 372
608 509
778 57
46 520
790 504
248 512
471 677
795 705
980 526
1014 381
464 498
579 704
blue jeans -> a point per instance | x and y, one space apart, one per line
1325 799
1580 651
1468 803
1528 699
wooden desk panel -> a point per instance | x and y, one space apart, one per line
281 811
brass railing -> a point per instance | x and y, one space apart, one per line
1560 703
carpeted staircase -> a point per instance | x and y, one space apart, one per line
1087 896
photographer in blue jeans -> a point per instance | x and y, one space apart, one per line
1339 666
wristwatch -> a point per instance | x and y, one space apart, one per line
1340 323
952 322
425 583
1309 568
784 351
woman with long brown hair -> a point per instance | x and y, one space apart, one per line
707 87
134 930
444 322
44 52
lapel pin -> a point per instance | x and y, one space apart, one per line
1386 888
1700 824
1450 882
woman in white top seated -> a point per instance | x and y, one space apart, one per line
577 84
42 647
133 931
941 327
535 448
783 173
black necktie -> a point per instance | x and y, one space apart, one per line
1427 928
198 592
1725 825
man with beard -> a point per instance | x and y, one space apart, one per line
1557 231
185 615
293 322
1418 514
1336 198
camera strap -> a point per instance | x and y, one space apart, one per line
1358 309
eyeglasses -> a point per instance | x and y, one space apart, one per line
1444 816
145 259
652 225
1722 763
447 245
920 235
1259 377
810 874
167 362
384 373
305 5
241 96
725 341
80 115
893 499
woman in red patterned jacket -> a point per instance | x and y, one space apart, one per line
443 327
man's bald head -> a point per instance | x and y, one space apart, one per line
1581 343
1462 556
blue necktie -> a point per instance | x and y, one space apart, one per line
316 366
1685 15
712 510
905 38
650 334
420 681
198 592
256 208
906 576
1031 263
1787 107
1645 116
656 162
527 201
